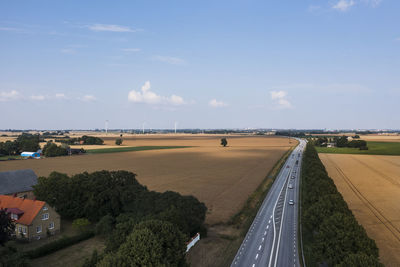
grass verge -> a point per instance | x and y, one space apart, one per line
128 149
4 158
374 148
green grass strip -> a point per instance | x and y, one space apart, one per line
374 148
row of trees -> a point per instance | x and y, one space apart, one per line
141 227
84 140
331 234
24 142
341 142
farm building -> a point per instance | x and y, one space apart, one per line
35 155
33 219
18 183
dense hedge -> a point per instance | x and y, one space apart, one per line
58 244
331 233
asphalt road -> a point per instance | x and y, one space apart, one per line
272 239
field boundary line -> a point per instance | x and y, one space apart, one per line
386 177
366 202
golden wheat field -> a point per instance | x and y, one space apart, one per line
371 187
222 178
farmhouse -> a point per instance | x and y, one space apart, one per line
18 183
33 219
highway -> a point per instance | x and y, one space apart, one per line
272 239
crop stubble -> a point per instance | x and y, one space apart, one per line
371 187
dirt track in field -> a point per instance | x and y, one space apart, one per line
371 187
222 178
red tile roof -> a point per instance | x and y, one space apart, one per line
30 207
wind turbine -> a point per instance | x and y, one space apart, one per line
106 126
175 126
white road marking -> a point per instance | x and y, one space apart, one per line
259 248
257 256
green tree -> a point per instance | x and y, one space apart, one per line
53 150
151 243
360 260
118 142
342 141
7 228
224 142
105 226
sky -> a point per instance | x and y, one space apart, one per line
308 64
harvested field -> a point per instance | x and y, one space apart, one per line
381 138
371 187
222 178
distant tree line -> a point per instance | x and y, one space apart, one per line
24 142
341 141
331 234
84 140
141 227
291 133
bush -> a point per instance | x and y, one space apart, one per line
58 244
118 142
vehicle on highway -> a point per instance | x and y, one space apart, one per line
290 186
291 202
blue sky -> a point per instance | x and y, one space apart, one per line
204 64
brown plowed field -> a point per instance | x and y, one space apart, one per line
371 187
222 178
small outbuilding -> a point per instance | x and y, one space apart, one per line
35 155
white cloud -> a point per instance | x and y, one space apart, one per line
372 3
38 97
61 96
278 94
176 100
145 95
279 98
68 51
7 96
343 5
87 98
109 28
216 104
170 60
131 49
